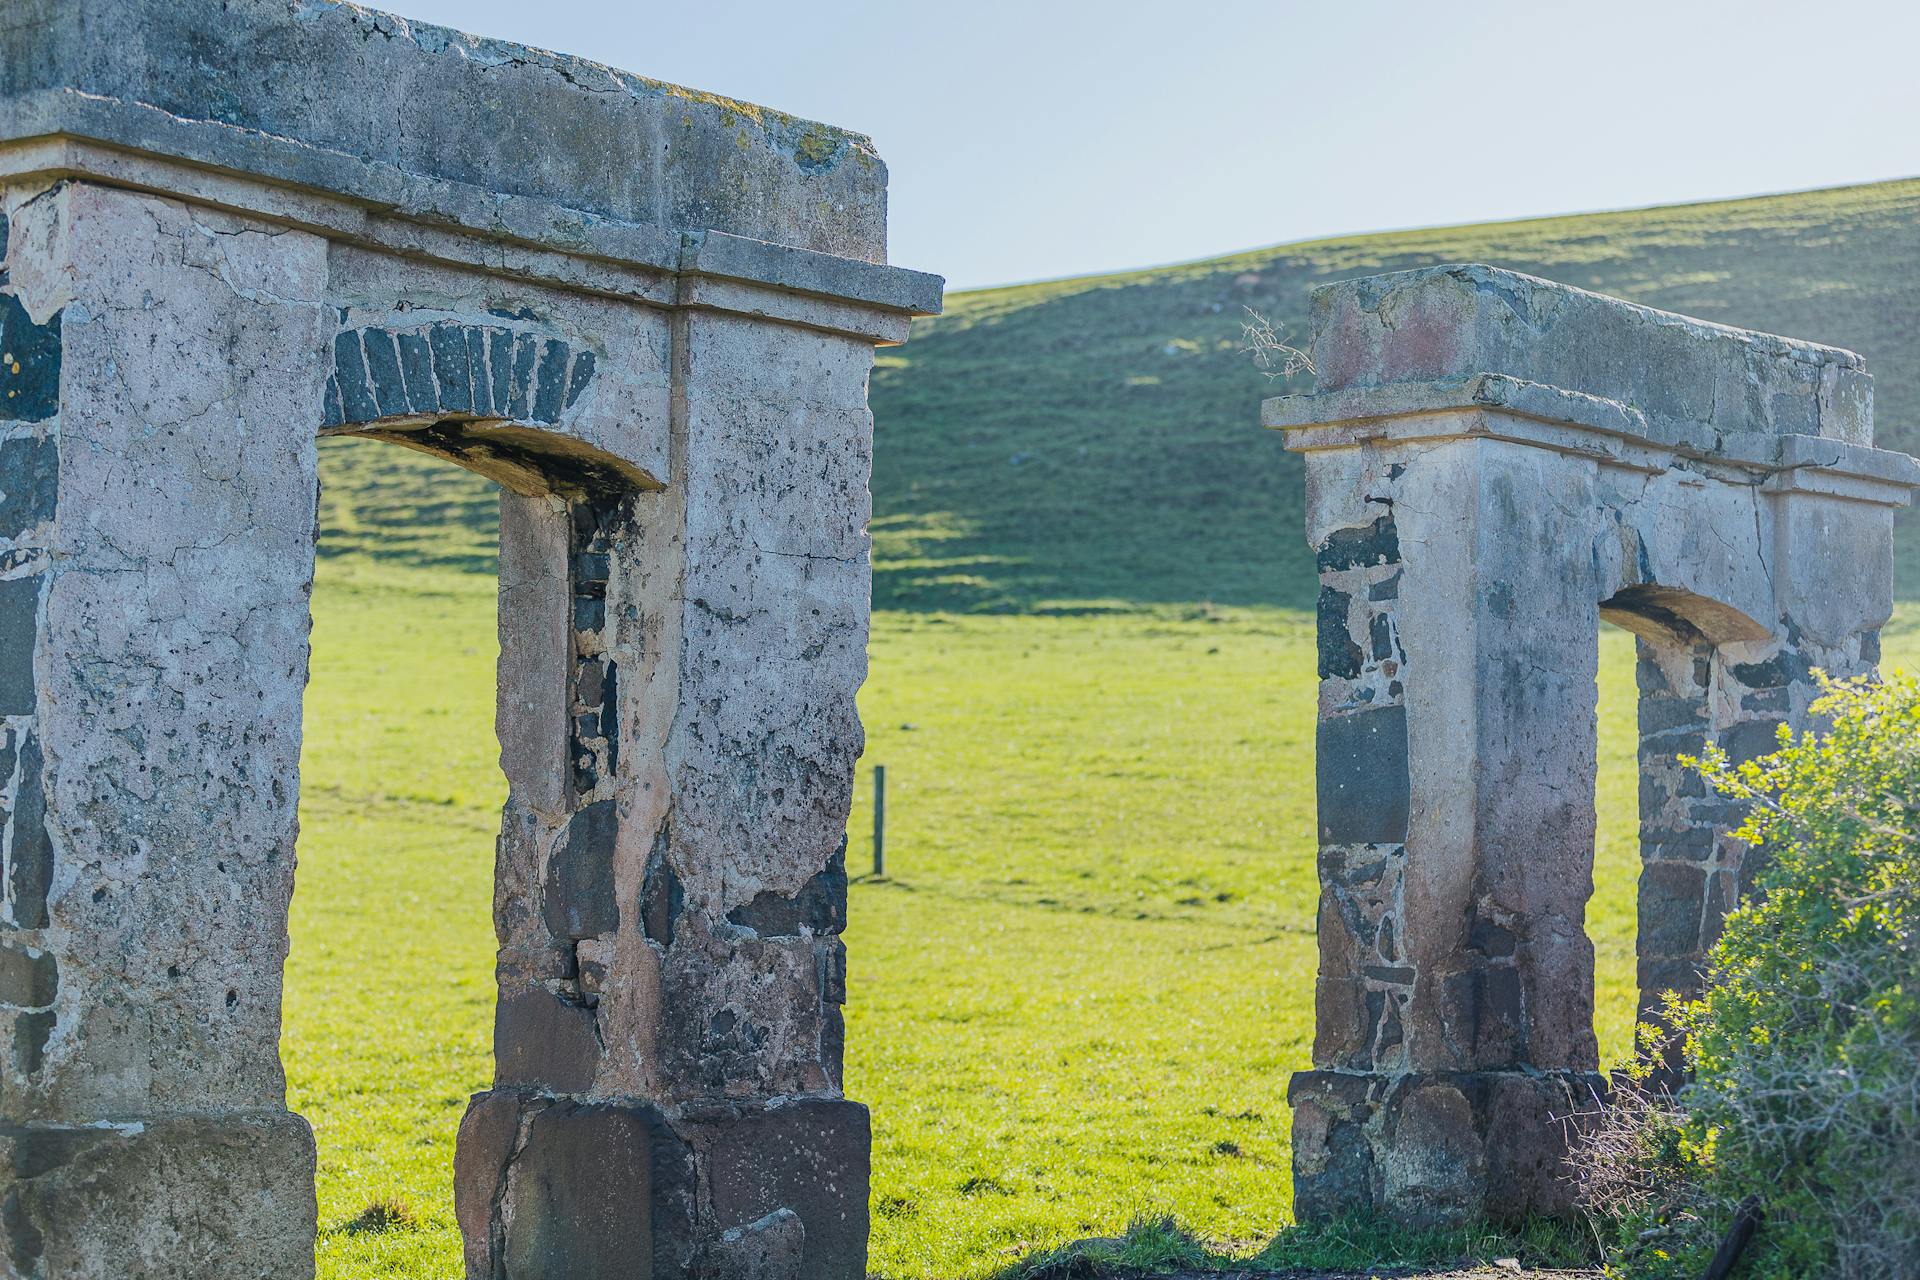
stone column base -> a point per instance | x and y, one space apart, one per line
1437 1149
547 1187
176 1198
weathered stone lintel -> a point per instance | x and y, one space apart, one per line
517 236
1449 322
332 96
1493 406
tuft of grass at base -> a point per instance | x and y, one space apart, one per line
1152 1246
388 1213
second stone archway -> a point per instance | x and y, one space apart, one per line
1495 462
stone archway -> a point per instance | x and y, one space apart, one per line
1494 463
650 314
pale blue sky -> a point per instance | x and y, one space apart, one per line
1039 139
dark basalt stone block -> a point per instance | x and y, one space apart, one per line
1341 1180
31 1032
1667 715
661 897
819 907
30 370
29 484
1380 633
489 1133
480 379
550 392
578 899
416 370
1500 1029
28 978
383 368
500 368
1656 974
350 378
1339 656
582 375
19 621
1870 648
579 1196
449 348
1364 789
29 859
1374 544
332 412
1750 740
589 613
809 1156
542 1040
1672 900
1782 669
548 1187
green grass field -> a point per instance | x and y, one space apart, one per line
1077 997
1080 993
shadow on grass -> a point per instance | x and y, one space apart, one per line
1356 1247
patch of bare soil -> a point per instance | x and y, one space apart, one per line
1488 1273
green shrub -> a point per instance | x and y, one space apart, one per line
1805 1051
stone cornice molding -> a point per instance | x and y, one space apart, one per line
1496 407
516 236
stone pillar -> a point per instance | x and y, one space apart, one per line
669 1033
1455 772
156 554
1493 463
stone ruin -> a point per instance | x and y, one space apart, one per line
232 227
1494 465
650 314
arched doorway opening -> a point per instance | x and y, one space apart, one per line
1612 912
389 990
1696 666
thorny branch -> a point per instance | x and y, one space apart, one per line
1272 354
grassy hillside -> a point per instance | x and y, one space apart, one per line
1096 440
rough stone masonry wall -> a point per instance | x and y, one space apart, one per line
155 651
662 358
1453 1009
1737 695
1495 464
670 901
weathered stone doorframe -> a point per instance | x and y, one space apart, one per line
676 402
1495 463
